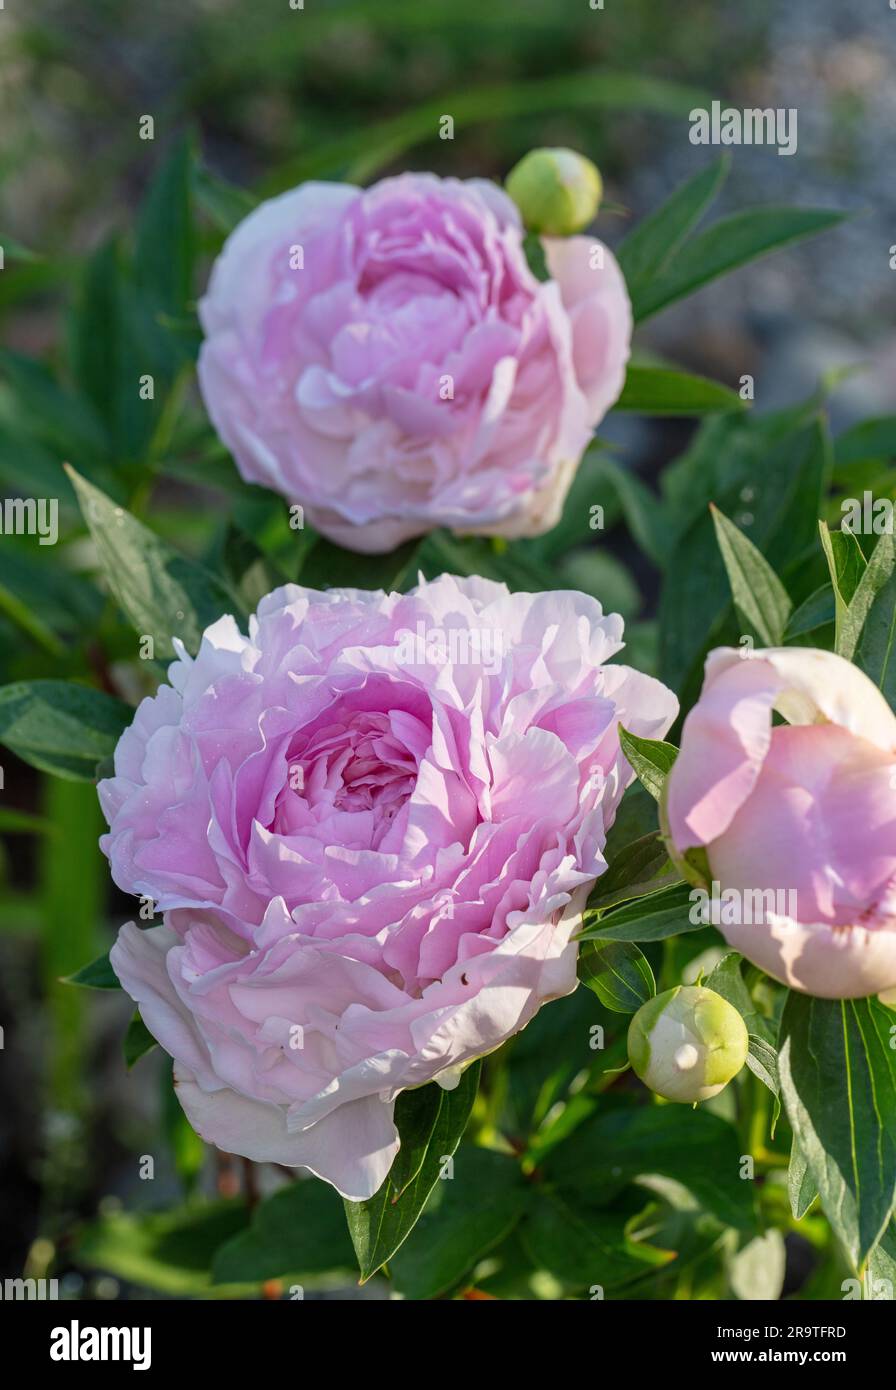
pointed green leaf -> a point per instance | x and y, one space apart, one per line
137 1041
664 391
653 242
650 757
729 243
838 1080
380 1225
641 867
61 727
800 1186
619 974
758 593
97 975
163 593
651 918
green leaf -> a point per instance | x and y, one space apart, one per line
466 1215
59 418
759 596
838 1079
163 259
651 758
651 918
329 566
97 975
380 1225
846 564
817 611
645 515
61 727
726 978
224 203
582 1246
163 593
695 1147
251 573
137 1041
729 243
168 1251
656 238
871 439
664 391
882 1264
876 654
770 475
299 1231
619 974
641 867
369 149
800 1186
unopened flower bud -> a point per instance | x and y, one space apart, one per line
687 1043
557 191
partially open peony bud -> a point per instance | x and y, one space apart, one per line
793 825
687 1043
557 192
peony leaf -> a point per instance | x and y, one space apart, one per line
381 1224
653 242
137 1041
651 759
299 1231
729 243
759 596
163 593
801 1188
640 867
465 1217
664 391
61 727
651 918
97 975
615 1147
619 974
838 1079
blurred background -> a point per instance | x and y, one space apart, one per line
276 94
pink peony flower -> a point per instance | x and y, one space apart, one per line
371 826
800 816
386 359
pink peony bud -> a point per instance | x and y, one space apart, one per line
797 822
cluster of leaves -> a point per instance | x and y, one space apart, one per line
546 1172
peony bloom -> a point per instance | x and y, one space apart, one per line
687 1043
386 359
797 820
371 826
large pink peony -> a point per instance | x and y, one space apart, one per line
386 358
371 826
798 818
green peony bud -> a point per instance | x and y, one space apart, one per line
687 1043
557 191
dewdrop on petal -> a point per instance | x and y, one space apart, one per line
687 1043
557 192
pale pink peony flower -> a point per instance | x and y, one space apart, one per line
386 358
371 849
806 810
